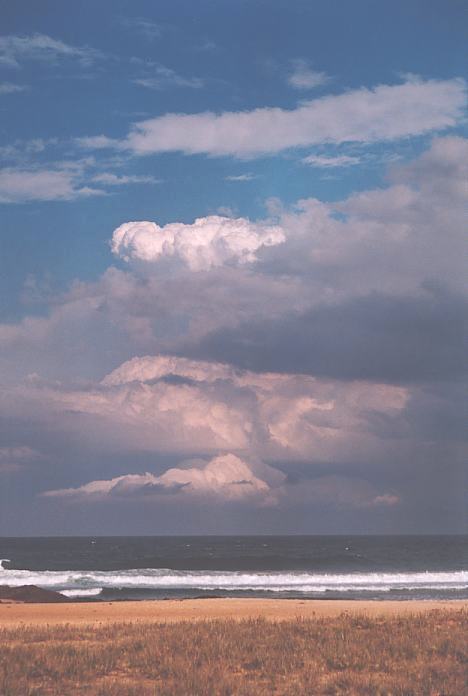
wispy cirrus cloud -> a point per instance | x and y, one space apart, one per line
240 177
326 162
164 78
10 88
109 179
19 185
386 112
98 142
13 459
143 26
302 76
41 47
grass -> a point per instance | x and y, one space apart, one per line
423 654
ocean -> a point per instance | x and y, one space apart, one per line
331 567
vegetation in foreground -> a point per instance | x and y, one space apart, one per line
420 654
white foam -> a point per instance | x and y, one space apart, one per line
82 593
300 582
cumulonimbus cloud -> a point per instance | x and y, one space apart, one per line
169 404
386 112
208 242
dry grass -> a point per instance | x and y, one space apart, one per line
420 654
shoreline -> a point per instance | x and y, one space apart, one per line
14 614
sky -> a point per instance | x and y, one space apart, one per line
232 289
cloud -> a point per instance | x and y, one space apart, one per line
303 77
226 477
165 78
10 88
22 150
338 492
208 242
97 142
146 27
384 244
326 162
174 405
376 337
240 177
392 240
15 49
64 180
440 173
386 499
23 185
151 368
386 112
15 458
110 179
366 295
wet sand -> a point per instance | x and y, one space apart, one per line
79 613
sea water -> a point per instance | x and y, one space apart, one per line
352 567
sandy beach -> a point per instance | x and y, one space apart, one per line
80 613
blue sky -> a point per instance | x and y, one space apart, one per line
317 143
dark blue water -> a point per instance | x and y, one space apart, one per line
371 567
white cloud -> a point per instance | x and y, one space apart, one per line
208 242
440 173
386 112
164 78
146 27
21 152
153 367
14 49
226 477
240 177
23 185
385 499
169 404
391 239
10 87
171 415
113 180
326 162
97 142
303 77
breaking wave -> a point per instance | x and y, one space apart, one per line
80 583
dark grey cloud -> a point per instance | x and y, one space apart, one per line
377 337
435 412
